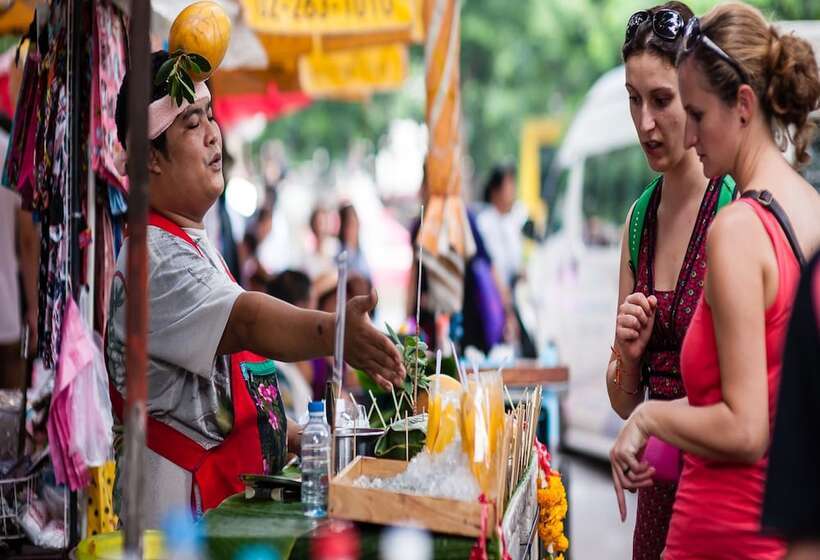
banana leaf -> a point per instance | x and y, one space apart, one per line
399 438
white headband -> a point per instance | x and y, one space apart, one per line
163 112
161 115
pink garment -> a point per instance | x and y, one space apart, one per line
76 357
107 73
718 505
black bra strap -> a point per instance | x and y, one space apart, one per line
768 202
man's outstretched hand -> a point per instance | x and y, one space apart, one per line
368 349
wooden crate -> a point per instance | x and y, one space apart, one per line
399 508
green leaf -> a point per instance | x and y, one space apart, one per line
392 334
164 72
201 62
187 86
174 89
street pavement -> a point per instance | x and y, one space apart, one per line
596 531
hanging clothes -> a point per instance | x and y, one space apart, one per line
108 71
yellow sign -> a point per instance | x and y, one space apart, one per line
321 17
285 47
535 134
353 72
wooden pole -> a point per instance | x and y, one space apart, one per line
137 309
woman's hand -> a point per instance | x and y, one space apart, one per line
628 471
633 327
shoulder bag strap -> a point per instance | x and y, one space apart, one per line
768 202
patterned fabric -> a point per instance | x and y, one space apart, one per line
661 373
109 65
261 379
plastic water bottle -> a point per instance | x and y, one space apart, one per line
315 461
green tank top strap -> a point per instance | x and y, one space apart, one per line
728 192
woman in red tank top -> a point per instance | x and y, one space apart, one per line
740 82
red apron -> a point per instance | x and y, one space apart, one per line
215 471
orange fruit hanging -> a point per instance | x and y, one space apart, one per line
202 28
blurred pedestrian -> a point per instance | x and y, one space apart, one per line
662 248
254 275
19 250
320 247
501 223
743 85
18 275
350 241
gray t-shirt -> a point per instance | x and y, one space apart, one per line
190 297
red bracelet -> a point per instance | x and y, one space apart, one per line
617 380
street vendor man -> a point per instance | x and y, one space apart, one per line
214 409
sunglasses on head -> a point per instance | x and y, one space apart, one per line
693 36
666 24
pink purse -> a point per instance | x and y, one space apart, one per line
665 458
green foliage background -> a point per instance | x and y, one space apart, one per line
520 58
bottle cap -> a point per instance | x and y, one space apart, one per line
316 406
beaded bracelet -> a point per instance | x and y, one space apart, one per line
617 380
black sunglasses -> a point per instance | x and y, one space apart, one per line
666 24
693 36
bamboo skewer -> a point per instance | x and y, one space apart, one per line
384 424
509 398
395 402
406 437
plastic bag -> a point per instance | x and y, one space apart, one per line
79 421
91 410
444 420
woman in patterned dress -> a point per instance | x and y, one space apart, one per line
661 289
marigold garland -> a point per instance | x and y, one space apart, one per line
552 505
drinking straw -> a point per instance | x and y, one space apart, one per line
461 376
438 372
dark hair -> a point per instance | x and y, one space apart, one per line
346 213
251 238
157 92
645 40
496 179
781 69
292 286
357 285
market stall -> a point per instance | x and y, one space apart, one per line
67 164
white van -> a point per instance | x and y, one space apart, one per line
599 171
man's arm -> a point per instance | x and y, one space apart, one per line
275 329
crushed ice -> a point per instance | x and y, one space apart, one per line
443 475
